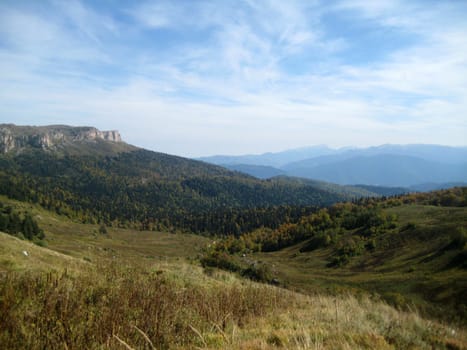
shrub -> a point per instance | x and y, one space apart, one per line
221 260
258 272
319 241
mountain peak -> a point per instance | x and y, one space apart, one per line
15 137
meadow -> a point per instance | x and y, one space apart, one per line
146 290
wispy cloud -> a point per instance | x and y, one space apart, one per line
246 76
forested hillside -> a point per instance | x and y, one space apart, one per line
153 190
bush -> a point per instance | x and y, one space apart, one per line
319 241
221 260
258 272
338 261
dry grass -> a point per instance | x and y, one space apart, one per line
321 322
97 308
174 306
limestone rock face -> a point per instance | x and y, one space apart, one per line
13 137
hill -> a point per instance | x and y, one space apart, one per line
81 173
61 139
411 249
20 255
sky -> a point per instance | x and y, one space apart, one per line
199 77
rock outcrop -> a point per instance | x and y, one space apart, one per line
13 137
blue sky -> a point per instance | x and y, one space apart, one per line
206 77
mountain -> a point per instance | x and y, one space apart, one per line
88 175
434 153
381 170
386 165
322 154
60 138
277 159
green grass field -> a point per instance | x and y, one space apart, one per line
85 242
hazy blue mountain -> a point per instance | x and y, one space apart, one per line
381 170
435 153
316 155
429 166
277 159
258 171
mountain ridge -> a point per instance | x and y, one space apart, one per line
17 138
426 151
410 165
383 170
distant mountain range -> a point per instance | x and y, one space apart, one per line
276 160
424 167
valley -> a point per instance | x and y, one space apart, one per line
106 245
123 268
233 175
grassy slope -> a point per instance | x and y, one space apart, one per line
12 257
227 312
414 273
83 241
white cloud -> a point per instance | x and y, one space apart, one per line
234 91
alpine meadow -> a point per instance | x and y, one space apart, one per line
251 174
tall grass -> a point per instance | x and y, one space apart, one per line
177 306
96 309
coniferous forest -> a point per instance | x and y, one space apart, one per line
156 191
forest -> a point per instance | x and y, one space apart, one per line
153 191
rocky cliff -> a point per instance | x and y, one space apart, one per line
14 137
